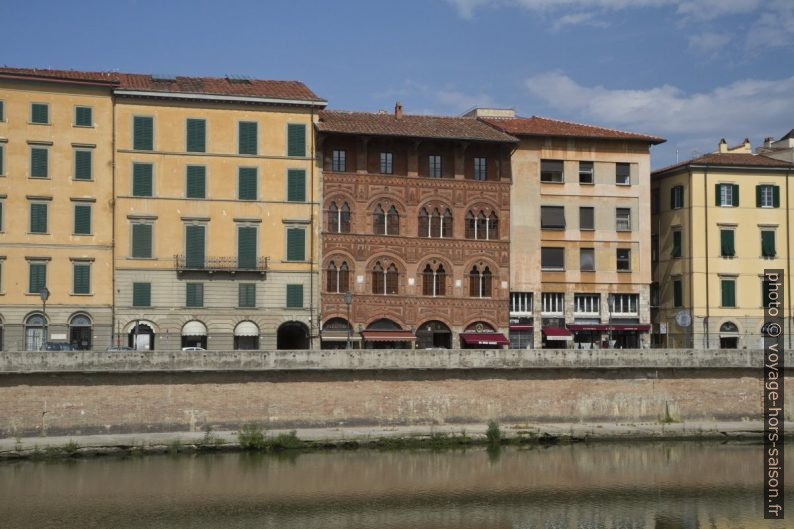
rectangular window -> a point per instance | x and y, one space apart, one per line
587 303
386 163
195 240
37 276
552 258
481 168
339 161
82 164
2 224
296 185
82 219
195 135
586 172
768 243
623 219
195 181
678 293
587 259
552 303
141 235
83 117
141 294
38 218
246 295
247 183
521 304
728 291
654 248
727 248
623 304
586 218
551 171
247 137
296 139
246 247
142 179
434 166
81 273
727 195
677 197
296 244
623 257
2 111
676 250
767 196
39 162
40 113
552 217
194 295
143 133
294 296
623 174
2 160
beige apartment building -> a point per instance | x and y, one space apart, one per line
718 221
56 197
580 234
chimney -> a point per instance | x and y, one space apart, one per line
747 146
723 145
398 110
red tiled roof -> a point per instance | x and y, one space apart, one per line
60 75
540 126
731 159
409 125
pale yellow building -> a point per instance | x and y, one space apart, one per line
718 221
56 199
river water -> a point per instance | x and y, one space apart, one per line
675 485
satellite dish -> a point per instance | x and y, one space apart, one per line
683 318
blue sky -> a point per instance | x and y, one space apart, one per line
692 71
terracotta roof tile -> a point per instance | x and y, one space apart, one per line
60 75
731 159
540 126
409 125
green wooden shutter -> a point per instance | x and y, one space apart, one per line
194 246
728 293
142 179
141 294
735 196
296 139
246 247
37 277
2 111
775 195
246 185
196 135
247 137
2 168
726 243
768 243
676 244
82 219
194 294
246 295
143 133
717 194
294 296
82 278
196 185
39 162
758 194
40 113
677 294
38 218
296 185
82 117
82 165
296 244
672 197
142 240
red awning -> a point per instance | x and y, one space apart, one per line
484 338
557 333
388 336
631 327
521 327
603 327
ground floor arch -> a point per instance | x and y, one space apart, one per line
433 333
141 336
246 336
81 332
292 335
35 332
194 334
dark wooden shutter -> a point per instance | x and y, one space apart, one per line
2 168
142 240
143 133
247 183
296 185
726 243
40 113
775 195
759 190
38 218
678 296
39 162
246 295
196 135
247 137
296 244
717 194
585 218
728 293
196 185
142 179
141 294
676 244
294 296
735 196
768 243
82 219
194 294
38 277
82 165
82 278
296 139
246 247
83 117
194 246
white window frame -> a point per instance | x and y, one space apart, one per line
587 304
552 303
521 304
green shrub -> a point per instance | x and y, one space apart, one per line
493 434
251 437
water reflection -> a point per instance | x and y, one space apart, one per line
609 486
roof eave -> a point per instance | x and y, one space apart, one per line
651 140
59 80
415 136
321 103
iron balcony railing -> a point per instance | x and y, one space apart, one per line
220 264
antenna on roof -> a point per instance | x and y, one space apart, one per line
163 77
238 78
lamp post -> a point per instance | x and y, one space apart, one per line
44 294
348 302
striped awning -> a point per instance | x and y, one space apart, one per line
246 328
194 328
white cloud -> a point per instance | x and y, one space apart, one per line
774 28
709 43
578 19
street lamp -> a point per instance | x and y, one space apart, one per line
348 302
44 294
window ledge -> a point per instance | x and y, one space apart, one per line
44 124
552 269
624 185
75 125
39 233
624 271
82 295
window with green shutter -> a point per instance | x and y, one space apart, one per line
296 139
246 246
768 243
294 296
141 294
143 133
767 196
2 161
194 294
246 183
2 111
726 195
142 179
676 251
39 162
83 117
82 278
38 218
728 289
196 182
142 241
246 294
727 248
678 293
296 185
196 135
194 246
37 276
296 244
40 113
82 165
247 137
82 219
2 219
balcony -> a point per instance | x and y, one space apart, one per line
228 265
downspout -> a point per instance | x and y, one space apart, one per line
691 268
788 258
113 325
311 229
706 233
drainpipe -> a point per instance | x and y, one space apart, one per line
113 217
706 233
788 258
311 229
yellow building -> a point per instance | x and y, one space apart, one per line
56 196
718 221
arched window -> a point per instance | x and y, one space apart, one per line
332 278
471 226
435 224
441 281
391 279
344 278
379 221
446 224
428 278
80 332
493 226
393 222
481 227
480 282
424 223
485 283
344 219
339 218
378 279
333 218
474 282
34 332
434 281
